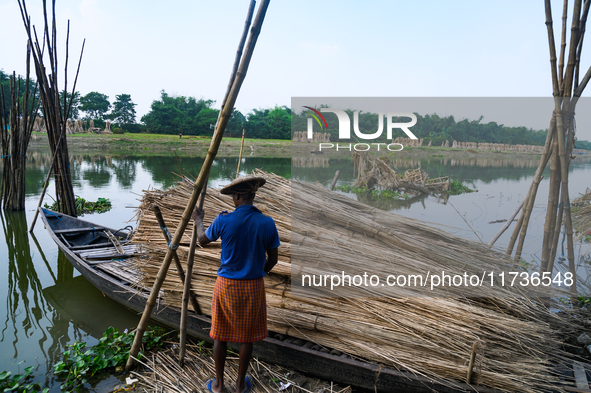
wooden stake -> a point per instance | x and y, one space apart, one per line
334 180
177 262
471 364
240 156
201 179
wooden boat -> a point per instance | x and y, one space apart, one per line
104 257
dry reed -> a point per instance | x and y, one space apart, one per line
582 215
165 375
377 173
431 336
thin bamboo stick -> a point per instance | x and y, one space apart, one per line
507 224
45 185
186 295
240 155
562 42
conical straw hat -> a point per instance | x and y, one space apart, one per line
242 185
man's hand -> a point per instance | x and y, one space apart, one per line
198 214
272 257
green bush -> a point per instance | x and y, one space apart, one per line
133 128
80 363
118 131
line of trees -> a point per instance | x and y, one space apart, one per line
191 116
172 114
94 105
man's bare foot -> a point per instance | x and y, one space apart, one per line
245 386
214 386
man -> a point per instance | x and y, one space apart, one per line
249 252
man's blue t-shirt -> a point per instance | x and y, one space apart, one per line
246 235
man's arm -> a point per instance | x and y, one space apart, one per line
272 256
197 216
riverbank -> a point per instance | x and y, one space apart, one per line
157 144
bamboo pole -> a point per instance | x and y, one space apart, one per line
521 227
201 179
4 143
560 102
563 115
240 155
553 196
175 256
238 56
562 42
580 43
187 281
187 284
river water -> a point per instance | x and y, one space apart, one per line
48 305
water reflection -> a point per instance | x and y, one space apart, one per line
398 204
41 320
24 305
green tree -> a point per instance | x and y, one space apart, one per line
179 114
75 109
256 123
5 86
123 110
279 123
95 104
236 123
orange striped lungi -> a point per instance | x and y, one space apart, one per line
239 310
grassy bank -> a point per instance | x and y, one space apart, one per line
158 144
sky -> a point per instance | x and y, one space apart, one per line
457 48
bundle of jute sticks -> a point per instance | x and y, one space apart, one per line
517 337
